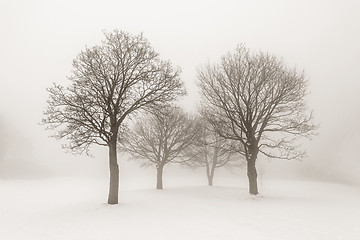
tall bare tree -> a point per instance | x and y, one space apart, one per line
255 99
161 138
212 151
109 82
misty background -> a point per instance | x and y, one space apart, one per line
39 40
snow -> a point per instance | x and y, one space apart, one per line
74 208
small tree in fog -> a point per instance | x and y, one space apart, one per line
160 138
254 99
212 151
3 142
109 82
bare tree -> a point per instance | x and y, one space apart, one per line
3 139
161 138
253 98
212 151
109 82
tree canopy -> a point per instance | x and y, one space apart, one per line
212 151
109 82
162 137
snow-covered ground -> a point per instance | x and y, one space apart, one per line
70 208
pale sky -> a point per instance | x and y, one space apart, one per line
39 40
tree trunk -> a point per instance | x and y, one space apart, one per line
159 181
114 174
211 173
252 175
208 174
210 179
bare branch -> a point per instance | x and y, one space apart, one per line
254 97
109 82
161 137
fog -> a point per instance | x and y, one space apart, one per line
39 40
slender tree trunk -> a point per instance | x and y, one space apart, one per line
252 175
159 180
211 174
114 174
208 174
210 179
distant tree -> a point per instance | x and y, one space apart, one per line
109 82
212 151
253 98
3 137
161 138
